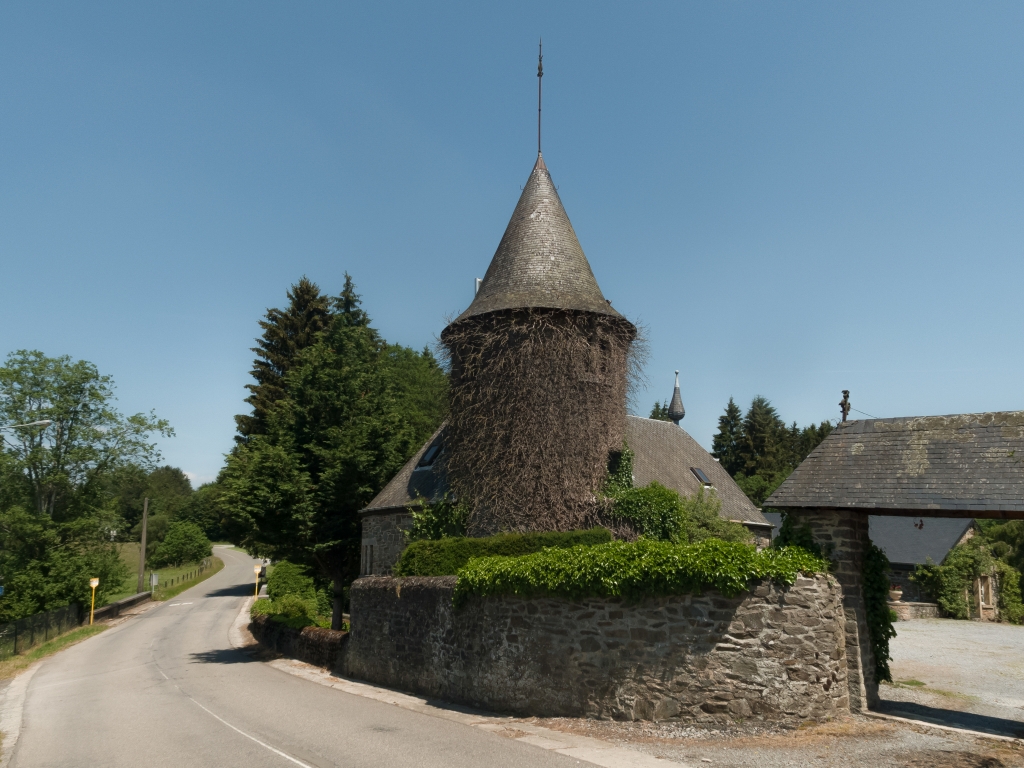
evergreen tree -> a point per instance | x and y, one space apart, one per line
421 389
726 444
337 436
285 334
659 412
763 445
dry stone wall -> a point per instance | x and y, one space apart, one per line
776 652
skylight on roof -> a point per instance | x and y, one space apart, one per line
427 459
699 474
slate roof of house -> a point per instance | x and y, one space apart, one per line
539 261
663 453
960 463
905 544
902 541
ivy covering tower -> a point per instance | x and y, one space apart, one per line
540 363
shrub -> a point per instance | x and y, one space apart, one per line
292 611
633 570
875 575
661 513
184 543
289 579
951 584
440 520
446 556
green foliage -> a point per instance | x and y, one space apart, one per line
653 511
58 513
46 564
184 543
344 424
421 389
446 556
292 611
875 575
793 535
62 470
285 334
441 520
1011 608
661 513
951 584
759 450
289 579
633 570
660 412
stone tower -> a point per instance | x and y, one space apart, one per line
539 369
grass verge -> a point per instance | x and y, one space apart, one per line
12 666
182 573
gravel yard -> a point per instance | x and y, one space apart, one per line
965 673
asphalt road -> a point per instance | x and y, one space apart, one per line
166 688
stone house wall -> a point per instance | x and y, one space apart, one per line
383 540
776 652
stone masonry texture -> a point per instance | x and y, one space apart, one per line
383 540
773 653
843 536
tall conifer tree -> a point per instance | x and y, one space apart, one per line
726 444
285 334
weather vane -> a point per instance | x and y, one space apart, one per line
540 74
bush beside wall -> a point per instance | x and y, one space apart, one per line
445 557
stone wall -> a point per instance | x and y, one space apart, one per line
383 541
906 611
843 536
776 652
313 645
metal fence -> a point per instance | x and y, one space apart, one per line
19 636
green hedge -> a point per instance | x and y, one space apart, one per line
446 556
634 570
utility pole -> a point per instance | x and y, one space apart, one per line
142 550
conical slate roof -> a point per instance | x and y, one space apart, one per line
676 412
539 261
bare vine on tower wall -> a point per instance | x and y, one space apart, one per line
538 400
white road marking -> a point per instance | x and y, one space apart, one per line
285 755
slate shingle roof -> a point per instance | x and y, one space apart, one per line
959 463
664 453
902 541
904 544
539 261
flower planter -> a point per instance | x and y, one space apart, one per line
895 595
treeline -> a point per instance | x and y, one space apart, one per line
67 458
336 411
759 450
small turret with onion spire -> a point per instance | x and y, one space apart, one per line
676 412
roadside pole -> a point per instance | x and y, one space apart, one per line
93 583
142 550
257 568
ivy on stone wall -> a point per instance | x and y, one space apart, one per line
634 570
875 575
951 584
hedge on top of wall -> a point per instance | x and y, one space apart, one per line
634 570
445 557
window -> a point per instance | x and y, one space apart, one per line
699 474
427 459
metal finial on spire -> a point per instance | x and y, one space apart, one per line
540 75
676 411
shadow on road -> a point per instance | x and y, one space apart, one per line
237 590
223 656
995 725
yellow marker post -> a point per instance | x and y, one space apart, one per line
93 583
256 569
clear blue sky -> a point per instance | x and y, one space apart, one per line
795 198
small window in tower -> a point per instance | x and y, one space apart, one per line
699 474
427 460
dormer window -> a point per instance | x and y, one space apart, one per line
699 474
428 457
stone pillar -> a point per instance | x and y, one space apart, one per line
843 536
